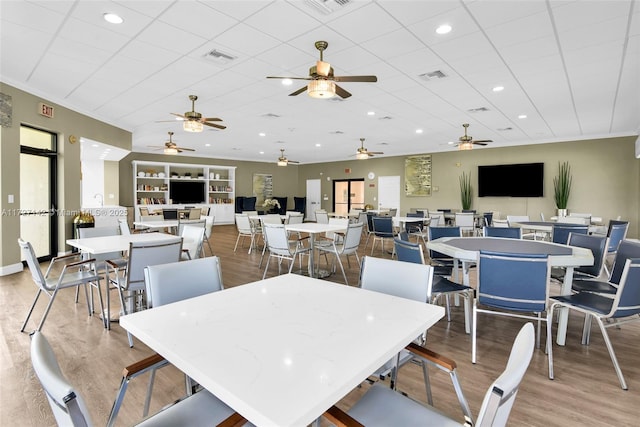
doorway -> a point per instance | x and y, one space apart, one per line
348 194
313 199
38 195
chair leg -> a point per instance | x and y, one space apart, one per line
210 248
550 341
46 311
474 326
237 240
427 382
31 310
586 329
346 282
612 353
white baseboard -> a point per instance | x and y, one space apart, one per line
5 270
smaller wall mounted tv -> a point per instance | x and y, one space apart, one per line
515 180
186 192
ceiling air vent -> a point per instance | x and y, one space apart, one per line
505 129
337 132
431 75
219 57
478 110
327 7
385 118
270 116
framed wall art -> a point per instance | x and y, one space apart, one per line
417 175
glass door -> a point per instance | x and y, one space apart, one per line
348 194
38 223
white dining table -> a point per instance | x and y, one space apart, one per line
313 228
282 351
115 243
467 249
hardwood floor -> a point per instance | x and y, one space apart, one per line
585 392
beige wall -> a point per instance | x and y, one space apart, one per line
111 183
606 178
65 123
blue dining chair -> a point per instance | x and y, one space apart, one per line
622 308
507 232
511 285
560 232
443 263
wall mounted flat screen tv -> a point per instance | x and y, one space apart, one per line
186 192
516 180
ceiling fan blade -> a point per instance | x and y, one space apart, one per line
369 79
479 143
476 141
299 91
341 92
375 152
290 78
210 119
179 115
185 149
213 125
323 68
293 161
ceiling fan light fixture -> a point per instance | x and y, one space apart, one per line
282 163
171 150
362 156
465 146
321 88
192 126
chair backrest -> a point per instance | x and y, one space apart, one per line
352 238
32 262
176 281
465 220
500 222
208 225
144 211
393 211
295 218
398 278
204 211
202 223
617 232
626 250
143 254
362 217
342 222
436 219
243 223
193 237
322 217
408 251
516 218
517 282
383 226
300 204
100 232
488 219
66 404
560 232
627 299
270 219
508 232
501 395
123 225
438 232
580 214
170 213
195 213
277 239
370 216
598 247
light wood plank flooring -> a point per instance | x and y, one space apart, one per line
585 392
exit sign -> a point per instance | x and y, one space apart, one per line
45 110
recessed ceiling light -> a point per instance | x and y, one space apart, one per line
95 145
287 82
443 29
418 130
522 116
371 113
262 134
318 145
498 88
112 18
207 145
261 152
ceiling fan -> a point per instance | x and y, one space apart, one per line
194 122
466 142
322 83
170 147
363 154
283 161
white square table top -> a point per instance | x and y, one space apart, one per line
116 243
281 351
314 227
